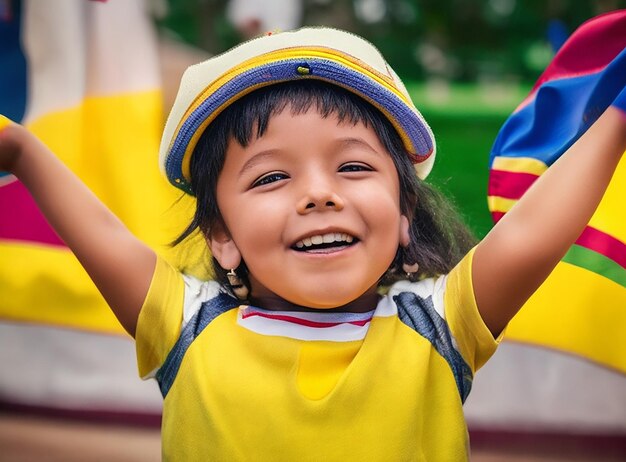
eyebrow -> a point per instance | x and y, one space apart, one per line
256 159
356 142
343 143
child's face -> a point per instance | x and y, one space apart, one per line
306 178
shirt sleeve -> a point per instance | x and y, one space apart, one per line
160 318
472 337
172 300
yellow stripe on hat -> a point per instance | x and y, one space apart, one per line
519 165
276 56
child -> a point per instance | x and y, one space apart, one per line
301 149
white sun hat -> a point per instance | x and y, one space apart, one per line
326 54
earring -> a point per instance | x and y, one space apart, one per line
410 270
236 285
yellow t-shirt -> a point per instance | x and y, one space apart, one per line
282 386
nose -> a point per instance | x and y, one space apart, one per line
319 198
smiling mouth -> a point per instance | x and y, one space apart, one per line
325 243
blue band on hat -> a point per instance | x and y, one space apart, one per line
399 113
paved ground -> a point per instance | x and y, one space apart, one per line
26 439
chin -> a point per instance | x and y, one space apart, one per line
330 299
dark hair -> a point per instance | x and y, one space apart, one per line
439 239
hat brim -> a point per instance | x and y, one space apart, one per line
289 63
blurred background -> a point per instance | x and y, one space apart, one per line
468 59
69 388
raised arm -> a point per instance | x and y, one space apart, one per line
527 243
120 265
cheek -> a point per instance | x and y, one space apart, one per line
256 228
383 203
385 209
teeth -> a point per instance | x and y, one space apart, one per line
324 239
328 238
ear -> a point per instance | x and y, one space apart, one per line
223 248
405 236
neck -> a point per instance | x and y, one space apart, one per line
364 303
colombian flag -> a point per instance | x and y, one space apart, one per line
83 76
581 308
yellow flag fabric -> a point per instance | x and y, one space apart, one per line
581 307
84 77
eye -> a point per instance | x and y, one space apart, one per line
269 178
355 167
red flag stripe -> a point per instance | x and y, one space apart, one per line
510 185
21 220
603 243
590 50
594 239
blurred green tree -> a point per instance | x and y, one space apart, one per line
456 40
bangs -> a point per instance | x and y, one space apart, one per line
248 118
